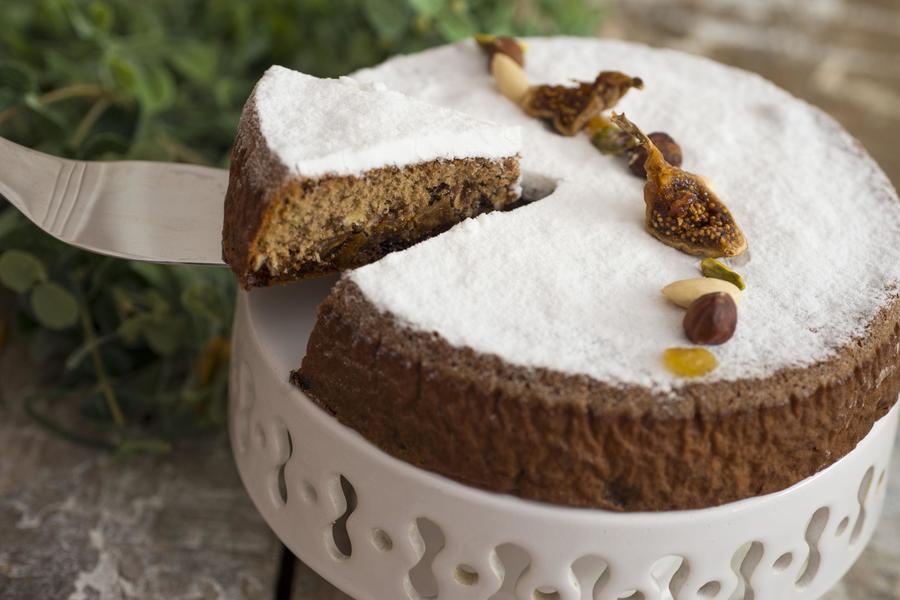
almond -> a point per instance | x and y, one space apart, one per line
510 77
684 292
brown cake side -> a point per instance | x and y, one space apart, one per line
280 227
576 441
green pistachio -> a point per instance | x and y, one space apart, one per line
711 267
612 140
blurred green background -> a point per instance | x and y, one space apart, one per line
136 355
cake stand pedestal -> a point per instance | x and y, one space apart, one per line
380 529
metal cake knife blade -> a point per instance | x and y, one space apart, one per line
150 211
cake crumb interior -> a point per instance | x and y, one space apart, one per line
319 225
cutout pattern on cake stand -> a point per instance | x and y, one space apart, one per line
381 529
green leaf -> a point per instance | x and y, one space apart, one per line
428 8
154 88
10 220
155 301
20 270
102 16
131 330
389 18
456 25
123 72
17 77
154 274
498 19
82 26
54 306
165 335
203 300
196 61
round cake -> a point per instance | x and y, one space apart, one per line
520 351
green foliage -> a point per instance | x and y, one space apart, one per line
144 347
20 270
54 306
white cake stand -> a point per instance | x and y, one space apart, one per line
380 529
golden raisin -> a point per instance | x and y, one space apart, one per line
689 362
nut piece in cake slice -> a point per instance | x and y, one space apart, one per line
331 174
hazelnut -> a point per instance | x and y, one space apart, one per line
510 46
670 149
711 319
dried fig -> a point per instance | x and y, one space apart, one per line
568 109
681 209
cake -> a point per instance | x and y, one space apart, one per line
519 352
329 174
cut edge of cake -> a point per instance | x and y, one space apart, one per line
293 211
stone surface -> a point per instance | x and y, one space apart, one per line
77 524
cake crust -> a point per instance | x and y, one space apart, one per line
572 440
412 203
255 176
291 213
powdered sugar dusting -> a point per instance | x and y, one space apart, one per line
572 282
341 127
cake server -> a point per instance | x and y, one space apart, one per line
150 211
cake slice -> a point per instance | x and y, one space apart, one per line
330 174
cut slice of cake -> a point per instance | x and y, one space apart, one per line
330 174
